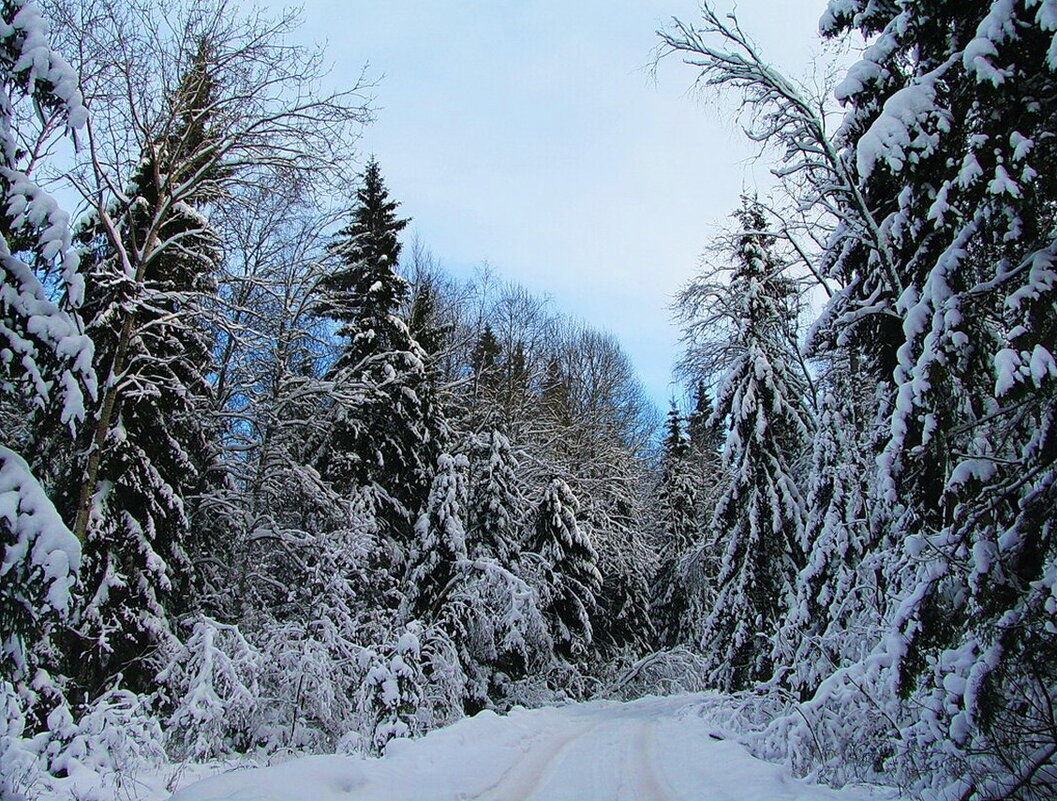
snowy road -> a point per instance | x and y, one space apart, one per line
650 750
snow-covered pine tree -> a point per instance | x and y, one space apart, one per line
676 492
706 448
484 361
364 290
392 697
386 429
679 531
148 453
705 434
440 539
496 504
614 522
838 611
948 124
758 522
570 572
45 360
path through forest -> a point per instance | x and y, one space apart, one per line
654 749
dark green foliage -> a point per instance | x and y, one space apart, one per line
495 503
572 578
704 432
364 292
155 454
758 521
429 332
386 427
484 361
679 532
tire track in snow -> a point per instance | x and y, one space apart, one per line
647 785
628 746
524 777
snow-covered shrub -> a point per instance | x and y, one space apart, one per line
677 670
116 736
310 680
314 631
94 756
413 683
21 765
445 686
391 699
497 621
847 733
214 682
279 684
851 731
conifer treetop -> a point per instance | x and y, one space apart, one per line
366 284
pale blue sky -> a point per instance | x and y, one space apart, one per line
529 134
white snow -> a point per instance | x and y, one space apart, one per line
1021 145
1012 367
1002 183
899 127
42 545
653 749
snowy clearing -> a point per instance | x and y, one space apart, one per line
654 749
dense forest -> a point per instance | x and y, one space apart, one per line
272 479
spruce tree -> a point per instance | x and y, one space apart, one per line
570 573
150 454
948 123
386 429
758 522
703 430
364 292
45 360
706 472
392 694
676 491
495 502
679 532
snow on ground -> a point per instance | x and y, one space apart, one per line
654 749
